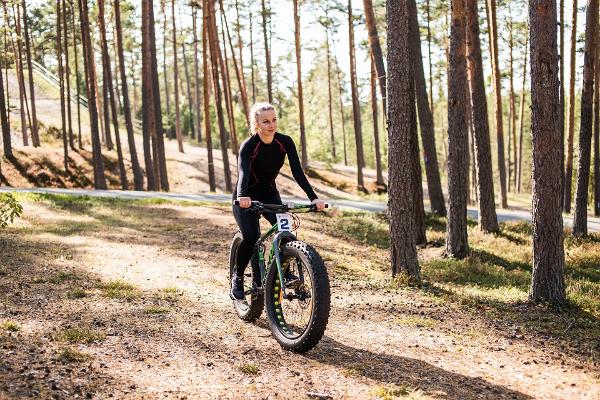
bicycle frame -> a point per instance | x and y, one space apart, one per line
275 254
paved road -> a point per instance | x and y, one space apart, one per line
373 206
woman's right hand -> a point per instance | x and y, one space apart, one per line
245 202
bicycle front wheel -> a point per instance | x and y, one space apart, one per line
298 322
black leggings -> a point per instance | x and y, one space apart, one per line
248 221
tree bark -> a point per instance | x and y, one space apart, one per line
488 221
568 179
585 130
59 53
498 100
35 138
597 132
67 76
176 82
163 8
457 245
77 79
329 93
376 48
360 159
562 100
215 53
197 72
434 184
206 92
402 132
6 140
521 117
108 83
148 117
224 67
303 150
20 76
547 282
252 69
375 112
267 14
189 92
339 84
90 78
138 176
513 118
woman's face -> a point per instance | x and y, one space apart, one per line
267 122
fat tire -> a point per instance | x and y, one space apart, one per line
320 297
246 311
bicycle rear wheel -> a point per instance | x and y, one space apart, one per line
251 307
298 322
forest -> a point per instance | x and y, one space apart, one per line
457 143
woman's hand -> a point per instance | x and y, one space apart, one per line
319 203
245 202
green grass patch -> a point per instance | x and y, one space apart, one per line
353 370
62 277
249 369
77 293
10 326
156 310
119 289
81 335
69 355
82 203
366 228
390 392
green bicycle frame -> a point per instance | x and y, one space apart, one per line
274 254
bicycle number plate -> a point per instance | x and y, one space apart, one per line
284 222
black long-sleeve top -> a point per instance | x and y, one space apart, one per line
259 164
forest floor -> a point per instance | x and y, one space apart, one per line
104 298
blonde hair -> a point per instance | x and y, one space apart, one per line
256 109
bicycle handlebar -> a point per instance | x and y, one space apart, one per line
258 206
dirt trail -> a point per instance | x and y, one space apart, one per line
174 334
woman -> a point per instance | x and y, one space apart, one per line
260 159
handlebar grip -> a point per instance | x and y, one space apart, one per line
236 202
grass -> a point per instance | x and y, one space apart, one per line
353 370
156 310
81 335
249 369
62 277
392 391
415 321
71 355
10 326
119 289
76 293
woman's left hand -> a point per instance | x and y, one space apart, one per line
319 203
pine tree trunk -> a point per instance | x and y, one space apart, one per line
375 112
77 79
189 92
148 120
90 78
436 195
360 161
303 150
138 176
376 48
165 74
597 132
562 100
457 245
513 118
224 67
239 68
430 63
206 97
108 83
20 76
215 53
35 138
547 282
585 130
329 93
240 45
498 100
339 84
568 180
196 73
252 69
6 49
59 52
176 82
521 117
266 14
67 76
402 135
485 179
6 140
